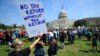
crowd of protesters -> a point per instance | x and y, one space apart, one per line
11 36
7 35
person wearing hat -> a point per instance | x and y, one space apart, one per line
17 46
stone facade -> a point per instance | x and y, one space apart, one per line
62 21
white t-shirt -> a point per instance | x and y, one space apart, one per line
50 34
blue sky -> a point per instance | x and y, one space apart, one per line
75 9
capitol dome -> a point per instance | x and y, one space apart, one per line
62 21
62 14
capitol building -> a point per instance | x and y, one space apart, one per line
62 22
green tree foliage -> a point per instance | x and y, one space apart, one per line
80 23
14 25
97 23
3 26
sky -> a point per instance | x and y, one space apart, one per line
75 9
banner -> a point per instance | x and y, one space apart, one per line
32 13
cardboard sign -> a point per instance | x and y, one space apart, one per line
32 13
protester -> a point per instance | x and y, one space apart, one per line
44 38
69 36
96 34
11 44
62 38
80 33
52 51
39 51
17 45
17 34
72 35
50 35
8 36
89 35
22 33
94 43
1 37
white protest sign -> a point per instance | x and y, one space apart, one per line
32 13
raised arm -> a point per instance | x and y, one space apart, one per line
35 42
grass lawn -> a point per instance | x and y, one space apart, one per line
79 48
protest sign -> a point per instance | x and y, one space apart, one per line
32 13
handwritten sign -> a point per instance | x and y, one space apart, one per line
32 13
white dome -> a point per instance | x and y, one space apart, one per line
62 14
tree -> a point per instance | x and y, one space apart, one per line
23 26
97 23
80 23
14 25
2 26
47 24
